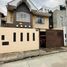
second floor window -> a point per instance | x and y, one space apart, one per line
22 17
39 20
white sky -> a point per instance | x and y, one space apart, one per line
38 3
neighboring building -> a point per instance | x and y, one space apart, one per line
2 19
59 18
65 27
55 35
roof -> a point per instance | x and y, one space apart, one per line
2 11
13 5
40 13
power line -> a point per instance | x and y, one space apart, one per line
33 4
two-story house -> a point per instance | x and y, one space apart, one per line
25 28
28 28
24 14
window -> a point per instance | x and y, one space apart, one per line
39 20
27 36
21 37
2 37
22 17
14 37
33 36
65 35
5 43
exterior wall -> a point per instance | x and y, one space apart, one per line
18 45
10 17
45 25
58 19
33 21
65 27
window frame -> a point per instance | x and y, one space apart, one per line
38 19
23 17
14 37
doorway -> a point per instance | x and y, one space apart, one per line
42 39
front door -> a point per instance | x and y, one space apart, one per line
42 39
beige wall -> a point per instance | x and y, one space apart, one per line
18 45
34 24
41 26
10 17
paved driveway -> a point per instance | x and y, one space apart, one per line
54 60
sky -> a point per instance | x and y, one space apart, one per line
38 3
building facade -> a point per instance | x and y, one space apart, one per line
25 28
28 28
59 18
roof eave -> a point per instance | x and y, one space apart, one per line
40 13
10 7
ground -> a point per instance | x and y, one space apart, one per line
52 60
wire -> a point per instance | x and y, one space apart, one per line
33 4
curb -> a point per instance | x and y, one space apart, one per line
25 55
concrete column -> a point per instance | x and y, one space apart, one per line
65 27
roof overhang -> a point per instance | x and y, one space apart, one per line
41 13
2 14
13 4
10 7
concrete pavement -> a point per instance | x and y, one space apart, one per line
52 60
9 57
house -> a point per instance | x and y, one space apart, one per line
36 19
25 28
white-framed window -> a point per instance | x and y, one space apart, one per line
22 17
39 20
